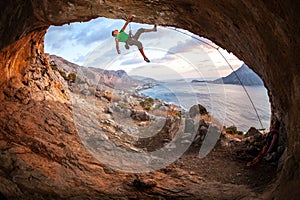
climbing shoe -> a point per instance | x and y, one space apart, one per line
147 60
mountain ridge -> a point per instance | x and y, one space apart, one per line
243 74
118 79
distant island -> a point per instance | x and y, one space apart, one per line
148 82
246 75
198 81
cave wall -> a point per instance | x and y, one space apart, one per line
264 34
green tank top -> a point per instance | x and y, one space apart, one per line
122 36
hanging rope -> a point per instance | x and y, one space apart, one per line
262 127
218 49
130 30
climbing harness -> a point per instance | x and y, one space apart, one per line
218 49
129 33
130 30
130 36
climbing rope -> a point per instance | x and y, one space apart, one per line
130 30
218 49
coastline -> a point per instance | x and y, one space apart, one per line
207 117
236 109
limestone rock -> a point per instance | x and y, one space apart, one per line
140 115
144 184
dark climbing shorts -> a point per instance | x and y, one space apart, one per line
134 39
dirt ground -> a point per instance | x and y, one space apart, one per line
223 166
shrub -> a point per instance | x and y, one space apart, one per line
147 103
54 67
72 77
122 104
64 75
173 111
233 130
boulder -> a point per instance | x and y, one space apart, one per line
144 184
197 110
85 92
140 115
251 132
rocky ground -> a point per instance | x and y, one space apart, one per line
79 141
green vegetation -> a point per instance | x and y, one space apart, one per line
147 103
179 114
233 130
70 77
64 75
122 104
54 66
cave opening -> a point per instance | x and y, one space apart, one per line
179 63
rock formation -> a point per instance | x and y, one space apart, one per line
95 76
242 75
264 34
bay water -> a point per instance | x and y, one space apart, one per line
228 104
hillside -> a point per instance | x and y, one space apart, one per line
118 79
246 75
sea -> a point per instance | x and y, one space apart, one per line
228 104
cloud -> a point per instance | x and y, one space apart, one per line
183 46
132 61
165 59
80 59
79 34
100 56
156 71
95 31
55 38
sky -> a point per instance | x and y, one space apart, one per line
173 54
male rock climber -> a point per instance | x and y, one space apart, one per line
122 36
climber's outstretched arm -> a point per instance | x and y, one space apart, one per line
127 22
